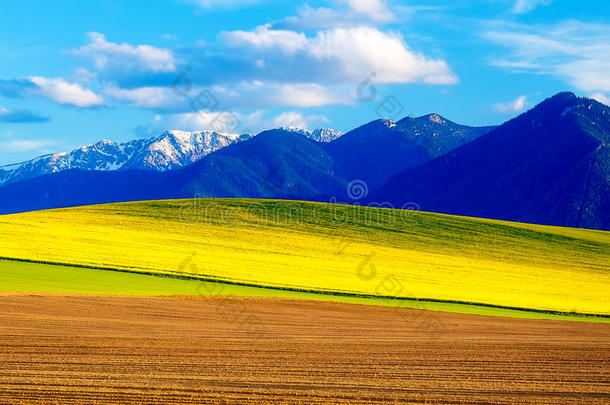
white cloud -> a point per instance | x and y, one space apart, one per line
244 94
221 121
141 58
265 94
63 92
290 119
25 145
599 97
525 6
206 120
239 123
576 52
341 54
263 38
514 106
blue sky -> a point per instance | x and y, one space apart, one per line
75 72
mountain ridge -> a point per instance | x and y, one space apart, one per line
549 165
170 150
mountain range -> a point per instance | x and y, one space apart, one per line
167 151
170 150
376 151
549 165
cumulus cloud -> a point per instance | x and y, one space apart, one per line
514 106
273 94
340 54
525 6
576 52
63 92
219 121
20 115
262 68
55 89
259 68
110 57
244 94
290 119
264 38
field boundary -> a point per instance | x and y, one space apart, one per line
212 279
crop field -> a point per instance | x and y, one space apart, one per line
311 248
221 350
32 278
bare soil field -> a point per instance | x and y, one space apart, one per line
92 349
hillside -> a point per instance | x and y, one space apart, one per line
327 249
550 165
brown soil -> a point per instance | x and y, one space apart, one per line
79 349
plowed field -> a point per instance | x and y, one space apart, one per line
86 349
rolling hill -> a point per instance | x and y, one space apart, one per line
550 165
325 249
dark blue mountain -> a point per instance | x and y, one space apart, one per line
279 163
380 149
550 165
274 164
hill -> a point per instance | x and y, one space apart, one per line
550 165
327 249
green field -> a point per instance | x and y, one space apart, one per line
309 250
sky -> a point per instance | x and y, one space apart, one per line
76 72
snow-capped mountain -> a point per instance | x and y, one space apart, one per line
324 135
170 150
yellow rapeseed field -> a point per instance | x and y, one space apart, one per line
328 247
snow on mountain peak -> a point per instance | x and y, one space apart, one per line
388 123
437 119
170 150
319 134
